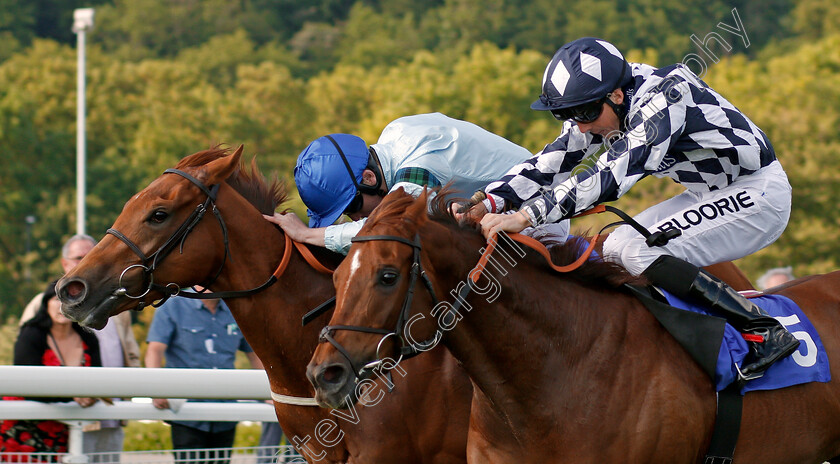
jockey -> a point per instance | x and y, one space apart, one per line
339 174
638 120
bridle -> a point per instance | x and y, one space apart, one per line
406 350
150 263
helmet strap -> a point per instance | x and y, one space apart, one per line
367 189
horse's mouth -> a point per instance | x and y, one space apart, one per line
95 318
336 400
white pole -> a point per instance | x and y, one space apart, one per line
124 382
180 411
83 20
80 136
75 444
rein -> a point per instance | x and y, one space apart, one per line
652 239
537 246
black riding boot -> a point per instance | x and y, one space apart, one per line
688 281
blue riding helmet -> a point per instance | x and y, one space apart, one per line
323 179
582 71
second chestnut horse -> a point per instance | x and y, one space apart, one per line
567 368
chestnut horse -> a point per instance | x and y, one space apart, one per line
565 367
424 420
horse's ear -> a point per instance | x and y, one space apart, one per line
220 169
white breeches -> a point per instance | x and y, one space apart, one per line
717 226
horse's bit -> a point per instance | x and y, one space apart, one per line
406 350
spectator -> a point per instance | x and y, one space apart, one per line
202 334
118 348
774 277
74 249
48 339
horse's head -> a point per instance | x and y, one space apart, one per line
123 271
376 286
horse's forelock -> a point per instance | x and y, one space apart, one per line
247 181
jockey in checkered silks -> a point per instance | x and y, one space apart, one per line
636 120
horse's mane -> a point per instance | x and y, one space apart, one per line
395 213
561 253
249 182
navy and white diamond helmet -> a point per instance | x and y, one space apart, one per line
580 72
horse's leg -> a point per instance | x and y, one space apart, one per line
726 271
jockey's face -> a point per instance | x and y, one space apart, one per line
369 202
607 122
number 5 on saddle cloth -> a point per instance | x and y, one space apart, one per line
717 346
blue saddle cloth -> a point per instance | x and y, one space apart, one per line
808 364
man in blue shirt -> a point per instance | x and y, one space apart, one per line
201 334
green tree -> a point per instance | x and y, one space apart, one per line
267 111
813 19
372 39
794 97
37 114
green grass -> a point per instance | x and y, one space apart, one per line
153 436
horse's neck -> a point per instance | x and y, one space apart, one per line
270 319
532 324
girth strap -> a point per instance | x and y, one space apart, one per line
727 425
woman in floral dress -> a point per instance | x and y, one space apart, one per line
48 339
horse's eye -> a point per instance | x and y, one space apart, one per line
388 277
158 216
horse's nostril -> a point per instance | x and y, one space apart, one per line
73 289
333 374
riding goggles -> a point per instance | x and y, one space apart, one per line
584 113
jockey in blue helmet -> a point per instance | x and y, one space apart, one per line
639 121
339 174
332 174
